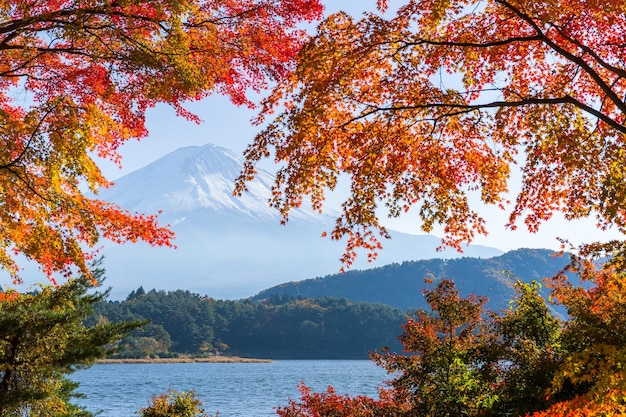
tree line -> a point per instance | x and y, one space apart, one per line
181 322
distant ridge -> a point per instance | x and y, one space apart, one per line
399 285
229 247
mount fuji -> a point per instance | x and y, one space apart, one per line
230 247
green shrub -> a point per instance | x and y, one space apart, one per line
174 404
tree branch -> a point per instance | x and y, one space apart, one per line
466 108
491 44
619 71
570 57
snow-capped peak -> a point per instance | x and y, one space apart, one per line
196 178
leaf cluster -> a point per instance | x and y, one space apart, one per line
428 107
76 81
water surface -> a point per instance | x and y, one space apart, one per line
233 389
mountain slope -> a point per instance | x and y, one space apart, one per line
231 247
399 285
195 178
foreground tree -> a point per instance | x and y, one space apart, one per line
521 354
461 361
518 362
42 339
438 368
435 101
592 375
76 79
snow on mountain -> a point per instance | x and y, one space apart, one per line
196 178
231 247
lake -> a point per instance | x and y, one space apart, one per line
233 389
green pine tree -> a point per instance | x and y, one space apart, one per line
43 339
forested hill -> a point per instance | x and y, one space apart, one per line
400 285
185 323
338 316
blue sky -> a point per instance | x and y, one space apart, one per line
229 126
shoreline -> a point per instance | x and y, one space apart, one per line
186 359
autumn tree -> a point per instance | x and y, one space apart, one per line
521 353
591 378
438 373
76 80
43 339
421 106
459 360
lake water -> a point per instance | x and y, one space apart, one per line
233 389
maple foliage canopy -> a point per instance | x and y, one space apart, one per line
436 100
76 79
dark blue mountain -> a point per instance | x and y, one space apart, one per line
400 284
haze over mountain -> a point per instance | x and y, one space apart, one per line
231 247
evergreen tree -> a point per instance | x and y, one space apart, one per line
42 339
136 293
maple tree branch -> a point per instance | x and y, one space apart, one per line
490 44
54 20
605 98
218 20
15 163
62 18
466 108
542 37
13 72
28 185
619 71
568 56
57 17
